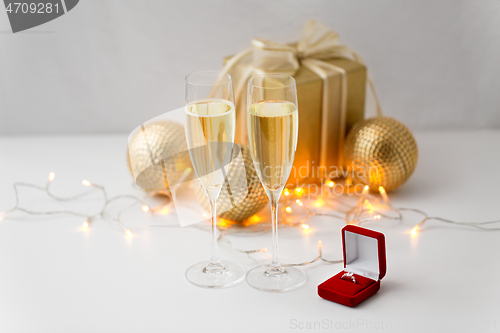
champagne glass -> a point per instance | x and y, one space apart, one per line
272 120
210 130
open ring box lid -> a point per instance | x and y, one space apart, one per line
364 256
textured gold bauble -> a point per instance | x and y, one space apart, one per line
250 205
154 142
380 152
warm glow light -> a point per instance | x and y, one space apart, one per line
297 201
286 192
381 189
52 176
300 204
165 210
320 245
288 209
188 170
2 216
331 184
85 225
254 219
305 226
129 233
348 181
368 205
145 208
318 203
205 215
263 249
223 223
376 217
367 188
86 182
414 231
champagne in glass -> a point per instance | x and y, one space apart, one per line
210 130
273 127
272 121
210 127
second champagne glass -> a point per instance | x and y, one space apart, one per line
210 130
272 120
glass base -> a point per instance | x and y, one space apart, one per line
266 279
206 275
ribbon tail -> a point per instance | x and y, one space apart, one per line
375 97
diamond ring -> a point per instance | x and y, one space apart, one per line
347 276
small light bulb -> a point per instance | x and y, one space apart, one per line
297 201
205 215
368 205
331 184
305 226
366 188
145 208
414 231
52 176
288 209
300 204
223 223
376 217
86 182
318 203
263 249
254 219
383 193
86 225
188 169
129 234
286 192
320 245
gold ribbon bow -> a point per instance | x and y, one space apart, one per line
317 43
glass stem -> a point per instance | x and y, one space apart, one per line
214 259
274 197
215 264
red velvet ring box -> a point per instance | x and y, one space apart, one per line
364 256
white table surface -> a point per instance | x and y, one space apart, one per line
56 278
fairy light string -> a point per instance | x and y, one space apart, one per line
89 218
368 207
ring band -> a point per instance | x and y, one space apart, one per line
349 275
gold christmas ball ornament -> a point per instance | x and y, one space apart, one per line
380 152
255 199
151 144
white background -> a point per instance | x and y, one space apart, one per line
107 66
56 278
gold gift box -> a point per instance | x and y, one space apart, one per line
331 82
